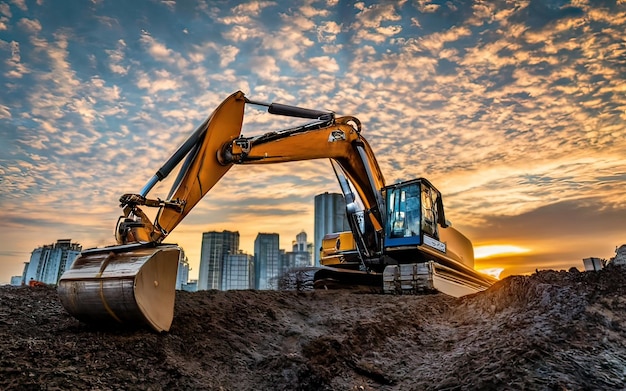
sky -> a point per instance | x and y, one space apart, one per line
514 110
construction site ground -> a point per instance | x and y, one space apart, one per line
548 331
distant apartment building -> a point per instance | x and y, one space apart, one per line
267 261
238 272
215 245
301 244
190 286
330 216
47 263
300 254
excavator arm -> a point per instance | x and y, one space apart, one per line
134 280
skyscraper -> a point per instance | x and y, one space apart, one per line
238 271
47 263
267 260
215 245
330 216
182 277
300 243
300 256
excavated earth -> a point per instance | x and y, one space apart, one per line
548 331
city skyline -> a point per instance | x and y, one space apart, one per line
228 241
515 111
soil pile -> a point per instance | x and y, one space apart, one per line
551 330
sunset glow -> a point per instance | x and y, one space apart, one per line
492 271
497 250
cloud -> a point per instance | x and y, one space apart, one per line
98 88
241 33
5 112
46 126
252 8
21 4
30 25
170 4
84 106
427 7
308 11
108 21
327 31
289 43
61 73
265 67
5 16
374 15
324 64
161 80
435 42
369 24
245 13
158 50
287 40
5 10
227 53
116 58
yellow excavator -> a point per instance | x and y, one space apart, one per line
399 241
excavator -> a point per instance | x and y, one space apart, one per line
399 242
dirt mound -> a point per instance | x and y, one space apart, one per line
551 330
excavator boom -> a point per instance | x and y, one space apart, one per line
133 281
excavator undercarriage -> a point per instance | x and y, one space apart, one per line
399 240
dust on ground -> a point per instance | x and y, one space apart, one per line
548 331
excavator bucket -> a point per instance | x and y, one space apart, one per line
128 284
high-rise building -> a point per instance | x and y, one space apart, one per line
47 263
215 245
182 277
300 256
267 261
300 244
330 216
238 272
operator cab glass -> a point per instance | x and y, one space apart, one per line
412 210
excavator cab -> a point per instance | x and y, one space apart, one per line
414 214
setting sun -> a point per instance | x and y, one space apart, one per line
497 249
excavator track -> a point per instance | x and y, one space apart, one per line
355 280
